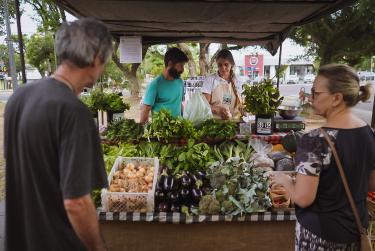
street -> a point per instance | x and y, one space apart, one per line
362 110
5 94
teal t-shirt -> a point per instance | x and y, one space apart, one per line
165 94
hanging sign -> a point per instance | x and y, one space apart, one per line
130 50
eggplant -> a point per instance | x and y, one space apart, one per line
175 208
185 181
160 184
173 196
163 207
196 194
159 196
169 183
185 194
194 178
202 175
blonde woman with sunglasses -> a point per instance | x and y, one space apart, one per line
325 220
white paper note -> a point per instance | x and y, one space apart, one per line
130 50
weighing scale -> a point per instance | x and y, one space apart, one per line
285 125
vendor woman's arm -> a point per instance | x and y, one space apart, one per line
218 110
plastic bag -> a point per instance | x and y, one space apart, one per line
197 108
260 157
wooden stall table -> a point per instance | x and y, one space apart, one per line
175 231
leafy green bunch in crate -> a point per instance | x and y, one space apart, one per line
216 129
191 157
124 130
165 127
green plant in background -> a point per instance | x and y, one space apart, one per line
262 98
114 103
110 102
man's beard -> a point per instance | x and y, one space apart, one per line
174 73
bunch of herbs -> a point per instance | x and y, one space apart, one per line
262 99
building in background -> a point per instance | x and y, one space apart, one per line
258 66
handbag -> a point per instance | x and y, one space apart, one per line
365 241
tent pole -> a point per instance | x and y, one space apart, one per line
12 64
373 114
278 69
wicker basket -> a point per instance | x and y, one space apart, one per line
130 202
371 208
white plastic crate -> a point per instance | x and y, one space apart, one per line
126 201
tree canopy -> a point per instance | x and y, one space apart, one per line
40 52
346 36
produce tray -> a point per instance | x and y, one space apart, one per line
371 207
130 202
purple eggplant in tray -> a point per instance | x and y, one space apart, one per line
185 181
196 194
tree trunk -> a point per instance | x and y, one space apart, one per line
191 63
326 56
20 41
41 72
203 62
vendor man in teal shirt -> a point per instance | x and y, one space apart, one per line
166 90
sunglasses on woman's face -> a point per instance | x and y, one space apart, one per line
314 93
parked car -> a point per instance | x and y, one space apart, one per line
292 79
85 92
309 78
366 76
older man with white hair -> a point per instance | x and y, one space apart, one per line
52 149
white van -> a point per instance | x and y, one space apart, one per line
366 76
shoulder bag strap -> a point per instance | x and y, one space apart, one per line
361 229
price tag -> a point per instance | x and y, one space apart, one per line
264 126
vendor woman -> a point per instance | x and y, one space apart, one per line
222 89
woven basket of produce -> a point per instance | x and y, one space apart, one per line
371 204
132 185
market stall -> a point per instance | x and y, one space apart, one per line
180 149
175 180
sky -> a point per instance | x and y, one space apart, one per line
29 27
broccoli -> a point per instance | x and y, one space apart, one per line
227 206
209 205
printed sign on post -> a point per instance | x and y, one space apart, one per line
130 50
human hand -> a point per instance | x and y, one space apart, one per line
281 179
224 112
